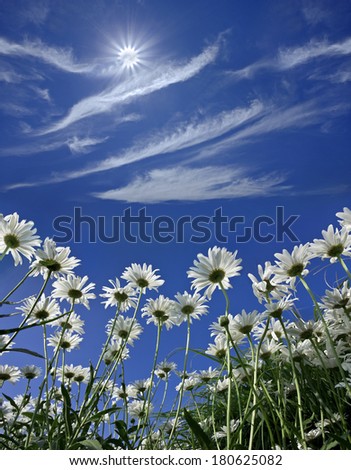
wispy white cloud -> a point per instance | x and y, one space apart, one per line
184 136
9 76
293 57
57 57
290 58
42 93
35 12
83 145
129 90
195 184
274 120
314 13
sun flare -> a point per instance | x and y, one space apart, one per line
129 57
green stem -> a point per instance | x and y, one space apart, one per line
182 384
148 398
297 386
17 286
29 313
343 264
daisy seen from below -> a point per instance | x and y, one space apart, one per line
117 296
334 244
66 340
31 372
276 309
224 323
116 351
190 306
161 311
125 392
18 238
214 270
164 368
264 288
345 217
54 260
73 323
124 329
71 373
291 265
40 311
72 289
9 374
5 341
245 322
337 299
142 277
139 409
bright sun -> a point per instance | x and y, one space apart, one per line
129 57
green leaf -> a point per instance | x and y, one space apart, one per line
91 444
27 351
204 440
100 414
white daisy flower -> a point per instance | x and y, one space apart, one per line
122 297
307 329
220 327
142 277
190 306
9 374
269 347
337 299
275 330
215 269
164 368
125 329
45 309
219 348
334 244
142 385
72 289
139 409
5 341
234 424
124 393
276 309
31 372
220 386
245 322
81 374
161 311
17 237
208 374
66 341
67 373
345 217
264 287
54 260
74 323
189 383
291 265
116 351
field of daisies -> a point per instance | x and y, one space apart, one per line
274 380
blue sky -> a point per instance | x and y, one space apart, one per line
231 104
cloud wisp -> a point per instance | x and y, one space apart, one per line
129 90
59 58
194 184
290 58
183 137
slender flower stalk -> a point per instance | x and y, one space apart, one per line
181 391
28 314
